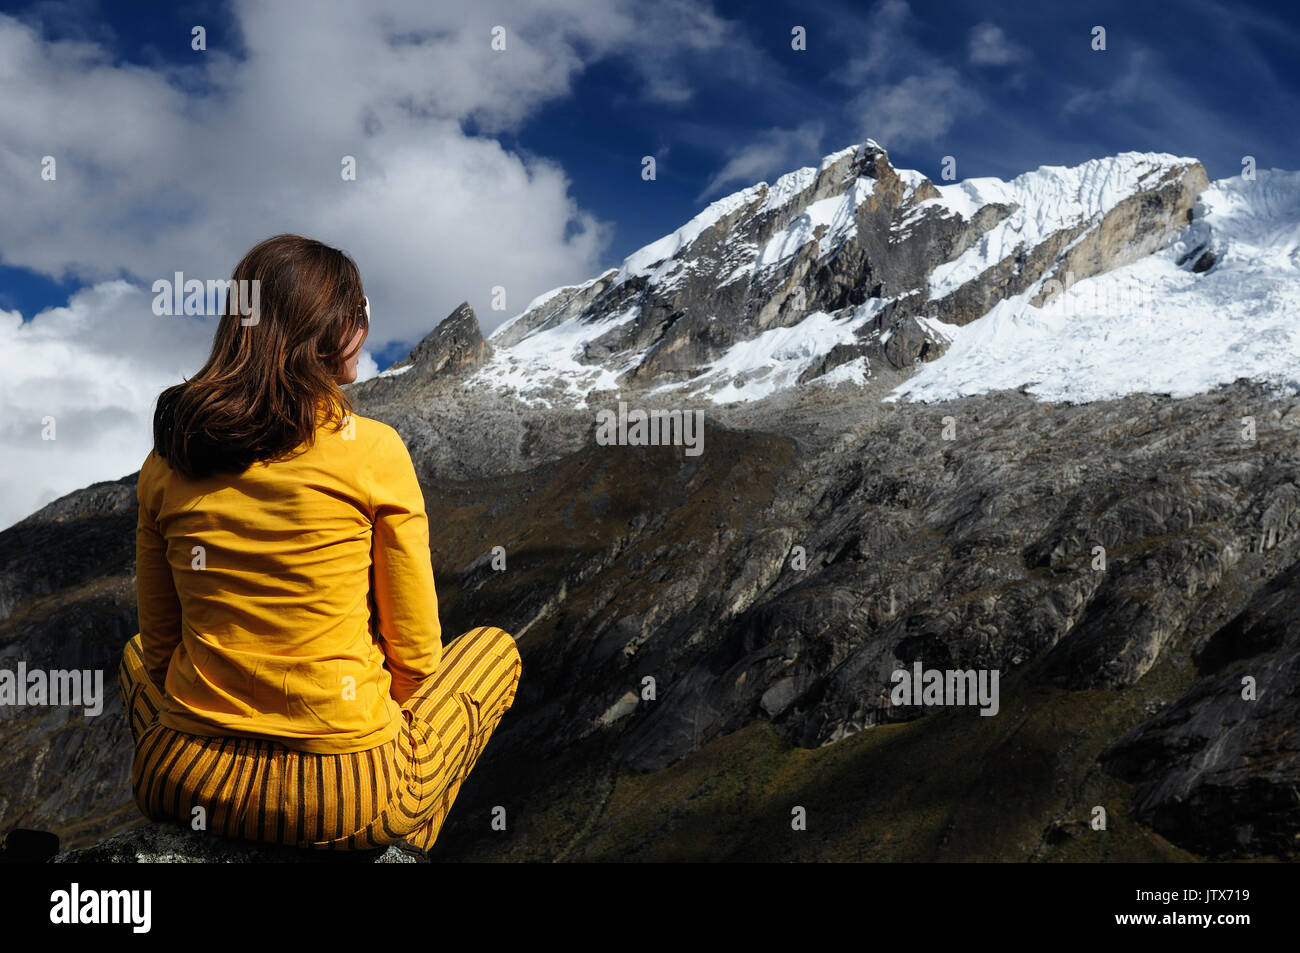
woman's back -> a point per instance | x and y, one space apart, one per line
272 576
288 683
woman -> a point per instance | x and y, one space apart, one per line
288 683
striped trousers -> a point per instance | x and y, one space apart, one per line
260 790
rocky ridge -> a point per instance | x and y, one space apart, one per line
849 267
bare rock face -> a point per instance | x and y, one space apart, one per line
905 341
37 563
1133 228
1227 754
67 584
456 345
721 289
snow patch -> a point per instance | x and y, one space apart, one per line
774 360
787 187
838 215
549 360
855 371
1151 326
1045 200
545 297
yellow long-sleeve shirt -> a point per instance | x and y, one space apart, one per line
256 593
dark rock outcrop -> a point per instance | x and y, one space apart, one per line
455 346
1227 754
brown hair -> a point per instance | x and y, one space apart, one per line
273 364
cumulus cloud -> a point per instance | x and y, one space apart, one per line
367 367
164 169
93 368
186 182
86 375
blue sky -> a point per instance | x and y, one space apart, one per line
520 169
1203 79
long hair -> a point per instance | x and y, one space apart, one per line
273 365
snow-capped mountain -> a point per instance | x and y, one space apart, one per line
1121 274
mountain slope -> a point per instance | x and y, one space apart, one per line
627 562
961 533
834 273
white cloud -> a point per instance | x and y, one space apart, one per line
989 46
189 184
366 366
96 367
185 182
908 96
776 152
154 178
916 110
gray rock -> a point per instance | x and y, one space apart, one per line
456 345
1216 770
168 844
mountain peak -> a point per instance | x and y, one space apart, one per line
853 271
455 345
843 271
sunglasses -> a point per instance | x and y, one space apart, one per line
363 319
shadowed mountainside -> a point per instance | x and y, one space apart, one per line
772 682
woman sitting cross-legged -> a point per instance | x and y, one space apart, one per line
289 684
